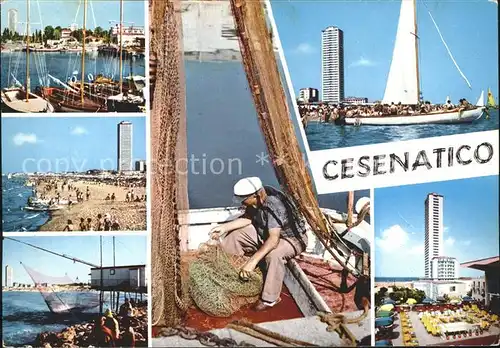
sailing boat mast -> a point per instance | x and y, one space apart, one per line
121 46
82 84
27 50
416 48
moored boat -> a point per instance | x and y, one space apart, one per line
14 100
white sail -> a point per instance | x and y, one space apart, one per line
402 82
480 101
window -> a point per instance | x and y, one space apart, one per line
111 272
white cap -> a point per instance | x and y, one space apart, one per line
361 203
247 186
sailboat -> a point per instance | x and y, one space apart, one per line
403 83
19 98
132 99
69 99
491 104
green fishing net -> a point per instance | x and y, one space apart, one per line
214 283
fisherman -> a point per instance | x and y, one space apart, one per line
128 337
83 226
272 230
125 308
112 324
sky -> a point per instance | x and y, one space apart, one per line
63 12
469 27
129 250
59 144
470 217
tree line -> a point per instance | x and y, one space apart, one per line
51 33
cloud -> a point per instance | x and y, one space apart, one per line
392 239
78 131
362 61
22 138
445 229
450 241
493 1
466 242
393 245
304 48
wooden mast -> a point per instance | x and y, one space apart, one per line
416 47
121 46
82 82
27 51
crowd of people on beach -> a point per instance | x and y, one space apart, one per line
102 223
326 112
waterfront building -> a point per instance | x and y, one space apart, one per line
12 19
444 268
433 231
332 65
124 146
356 100
309 95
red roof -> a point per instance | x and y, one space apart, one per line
483 264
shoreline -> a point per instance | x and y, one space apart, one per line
130 215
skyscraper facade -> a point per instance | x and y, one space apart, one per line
332 65
125 146
9 276
433 231
12 19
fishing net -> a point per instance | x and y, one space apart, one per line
214 283
57 299
262 71
169 180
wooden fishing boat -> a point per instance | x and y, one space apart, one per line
20 98
65 100
15 100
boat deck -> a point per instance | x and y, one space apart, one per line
16 100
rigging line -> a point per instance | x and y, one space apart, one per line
93 14
445 45
77 10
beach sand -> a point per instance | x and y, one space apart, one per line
130 215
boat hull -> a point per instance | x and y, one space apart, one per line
67 101
455 117
13 102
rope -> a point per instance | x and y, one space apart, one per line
267 335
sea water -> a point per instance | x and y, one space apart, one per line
25 314
62 66
322 136
14 198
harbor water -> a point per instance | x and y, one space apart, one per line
63 66
225 142
322 136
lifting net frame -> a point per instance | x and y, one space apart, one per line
55 300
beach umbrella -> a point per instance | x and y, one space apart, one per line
411 301
384 314
467 299
388 300
383 343
454 301
387 307
427 301
382 322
